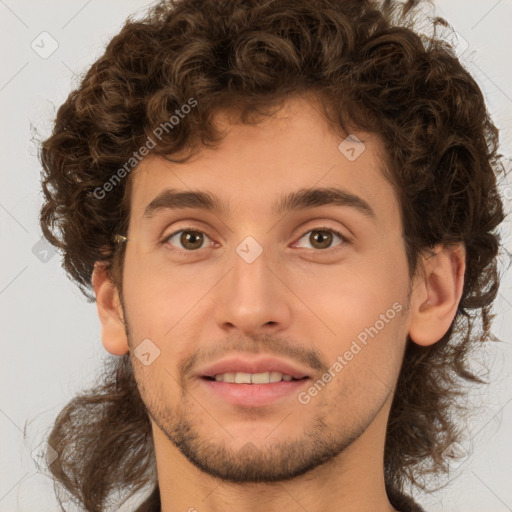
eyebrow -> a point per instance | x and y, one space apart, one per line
302 199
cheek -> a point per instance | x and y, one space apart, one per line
358 312
364 351
158 297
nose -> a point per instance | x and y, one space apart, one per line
253 297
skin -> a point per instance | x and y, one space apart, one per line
297 301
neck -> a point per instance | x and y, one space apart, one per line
353 481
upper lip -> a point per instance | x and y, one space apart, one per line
261 365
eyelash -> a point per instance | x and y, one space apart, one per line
186 252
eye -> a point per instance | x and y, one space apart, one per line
322 237
190 239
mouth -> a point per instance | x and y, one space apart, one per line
252 378
251 382
252 390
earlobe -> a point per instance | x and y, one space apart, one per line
435 299
110 313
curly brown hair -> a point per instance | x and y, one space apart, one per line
370 69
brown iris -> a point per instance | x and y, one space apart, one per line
324 238
192 239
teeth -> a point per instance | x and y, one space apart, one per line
260 378
252 378
275 376
242 378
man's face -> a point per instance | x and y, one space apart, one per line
310 303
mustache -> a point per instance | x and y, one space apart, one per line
267 344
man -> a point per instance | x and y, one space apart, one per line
286 212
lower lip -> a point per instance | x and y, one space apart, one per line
253 395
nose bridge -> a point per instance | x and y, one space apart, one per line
251 276
251 295
250 264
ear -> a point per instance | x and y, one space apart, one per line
110 312
435 298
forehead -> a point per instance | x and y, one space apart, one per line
256 166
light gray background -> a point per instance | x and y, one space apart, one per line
50 342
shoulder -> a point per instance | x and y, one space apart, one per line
152 502
402 502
